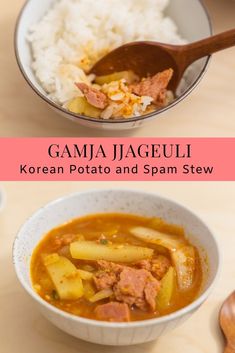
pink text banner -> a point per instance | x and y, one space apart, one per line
112 159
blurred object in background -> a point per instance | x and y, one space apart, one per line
2 198
222 14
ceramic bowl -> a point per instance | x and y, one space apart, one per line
187 14
122 201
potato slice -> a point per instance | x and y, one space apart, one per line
184 261
153 236
77 105
64 276
89 290
87 268
85 275
165 294
80 105
103 294
89 250
92 111
129 76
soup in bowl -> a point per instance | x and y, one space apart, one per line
116 267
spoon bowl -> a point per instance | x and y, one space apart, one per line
227 322
143 58
148 58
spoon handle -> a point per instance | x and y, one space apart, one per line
229 349
209 46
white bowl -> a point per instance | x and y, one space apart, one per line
193 23
123 201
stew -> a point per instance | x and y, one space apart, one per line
117 267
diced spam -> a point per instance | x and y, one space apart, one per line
113 312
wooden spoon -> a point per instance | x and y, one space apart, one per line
149 58
227 322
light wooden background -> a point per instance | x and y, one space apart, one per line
24 330
209 111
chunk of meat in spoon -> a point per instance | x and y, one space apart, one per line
155 87
93 96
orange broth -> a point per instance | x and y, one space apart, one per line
115 227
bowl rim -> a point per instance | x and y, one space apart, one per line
145 323
77 117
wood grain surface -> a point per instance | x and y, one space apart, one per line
209 111
24 330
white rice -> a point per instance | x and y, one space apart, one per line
74 34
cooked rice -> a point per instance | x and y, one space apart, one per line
74 34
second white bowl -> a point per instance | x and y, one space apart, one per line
122 201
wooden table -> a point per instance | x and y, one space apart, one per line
24 330
209 111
